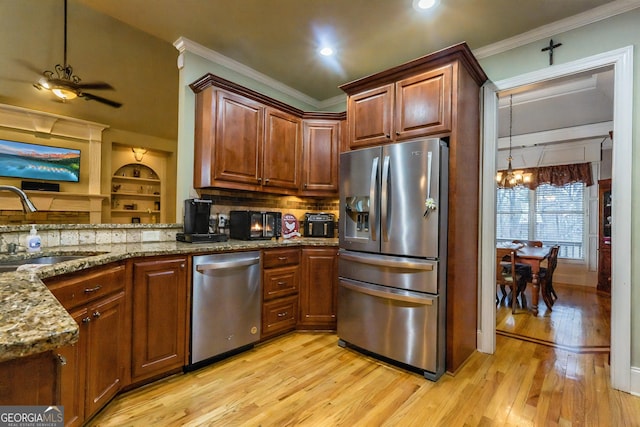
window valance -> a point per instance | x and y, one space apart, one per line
559 175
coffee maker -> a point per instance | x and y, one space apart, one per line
196 223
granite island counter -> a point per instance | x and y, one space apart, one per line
33 321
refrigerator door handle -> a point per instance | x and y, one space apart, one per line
387 295
384 200
373 199
375 260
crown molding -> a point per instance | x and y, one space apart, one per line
589 17
183 44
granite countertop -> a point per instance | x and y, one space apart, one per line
31 318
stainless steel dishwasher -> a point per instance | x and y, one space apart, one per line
225 313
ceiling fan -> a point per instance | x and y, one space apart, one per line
66 85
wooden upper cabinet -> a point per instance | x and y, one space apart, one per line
282 150
238 143
247 141
423 104
321 152
416 106
370 116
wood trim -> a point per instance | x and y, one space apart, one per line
460 52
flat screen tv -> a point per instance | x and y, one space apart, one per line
39 162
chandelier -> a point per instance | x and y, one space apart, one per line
511 178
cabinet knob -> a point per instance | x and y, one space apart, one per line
397 133
283 314
266 181
259 179
97 314
388 136
86 320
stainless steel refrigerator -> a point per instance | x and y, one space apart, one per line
393 253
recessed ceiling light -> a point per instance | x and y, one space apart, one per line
326 51
425 4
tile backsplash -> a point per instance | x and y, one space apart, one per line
56 235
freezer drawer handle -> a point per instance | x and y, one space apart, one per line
387 295
229 264
386 262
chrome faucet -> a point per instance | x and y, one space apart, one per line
27 205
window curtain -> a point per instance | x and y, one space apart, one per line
558 175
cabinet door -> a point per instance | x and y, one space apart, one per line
282 150
423 104
105 355
29 380
370 116
73 372
319 289
320 157
159 316
238 143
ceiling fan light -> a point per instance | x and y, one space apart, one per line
63 93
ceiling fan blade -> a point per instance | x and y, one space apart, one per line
109 102
94 85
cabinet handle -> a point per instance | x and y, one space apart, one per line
397 133
305 185
86 320
97 314
283 314
91 290
282 283
62 360
282 258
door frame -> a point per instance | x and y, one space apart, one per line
622 170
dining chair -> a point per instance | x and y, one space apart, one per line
546 276
505 266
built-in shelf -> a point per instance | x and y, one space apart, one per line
137 186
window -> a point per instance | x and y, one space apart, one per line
554 215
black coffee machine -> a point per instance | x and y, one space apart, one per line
196 223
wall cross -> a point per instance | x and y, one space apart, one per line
550 49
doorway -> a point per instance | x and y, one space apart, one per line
622 62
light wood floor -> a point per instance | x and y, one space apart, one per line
580 320
306 379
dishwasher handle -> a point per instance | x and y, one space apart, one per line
201 268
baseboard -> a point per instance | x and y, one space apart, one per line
635 381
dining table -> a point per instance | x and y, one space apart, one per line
533 256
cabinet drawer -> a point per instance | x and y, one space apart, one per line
280 257
87 286
280 282
279 315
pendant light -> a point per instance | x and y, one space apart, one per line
511 178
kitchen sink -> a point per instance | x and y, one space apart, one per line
12 265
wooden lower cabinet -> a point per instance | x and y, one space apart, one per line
105 353
73 374
29 380
280 284
95 368
319 289
159 317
